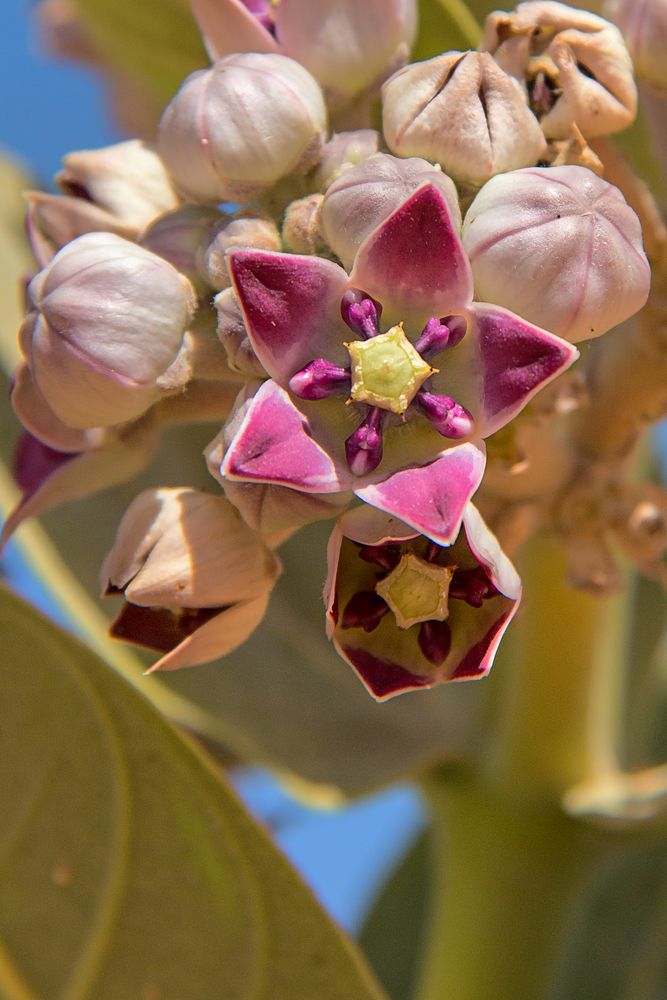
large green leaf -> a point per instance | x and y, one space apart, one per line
127 869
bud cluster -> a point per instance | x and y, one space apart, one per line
362 310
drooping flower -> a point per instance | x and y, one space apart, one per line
561 247
348 46
196 579
382 373
574 65
408 613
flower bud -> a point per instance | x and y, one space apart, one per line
348 46
126 179
178 237
234 130
463 112
366 195
644 28
53 220
234 336
342 152
195 578
574 65
240 231
107 320
560 247
301 226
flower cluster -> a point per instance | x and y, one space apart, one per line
369 310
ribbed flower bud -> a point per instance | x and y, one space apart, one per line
366 195
106 320
461 111
179 236
234 336
234 130
560 247
241 231
575 66
644 28
195 578
127 179
342 152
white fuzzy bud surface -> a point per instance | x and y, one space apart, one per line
560 247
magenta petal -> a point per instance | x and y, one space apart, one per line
515 359
414 261
432 498
291 306
273 445
382 677
478 660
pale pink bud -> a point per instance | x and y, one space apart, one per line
234 336
560 247
195 577
127 179
107 319
178 237
643 24
240 231
574 65
366 195
349 46
461 111
234 130
344 151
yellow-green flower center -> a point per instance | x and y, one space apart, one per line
417 591
387 371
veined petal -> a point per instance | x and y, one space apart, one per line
414 262
227 26
291 306
432 498
273 445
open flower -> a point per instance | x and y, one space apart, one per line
195 578
383 372
408 613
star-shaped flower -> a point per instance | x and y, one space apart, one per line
408 613
383 373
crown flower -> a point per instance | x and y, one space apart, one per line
385 374
407 612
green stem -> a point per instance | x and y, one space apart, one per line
511 867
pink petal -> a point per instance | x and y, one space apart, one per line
273 445
432 498
515 359
414 262
486 548
228 27
291 306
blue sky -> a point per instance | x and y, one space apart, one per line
49 108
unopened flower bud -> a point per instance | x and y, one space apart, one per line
234 336
234 130
560 247
195 578
127 179
366 195
178 237
241 231
351 47
342 152
301 226
107 319
575 66
461 111
644 28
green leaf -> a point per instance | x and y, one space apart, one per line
400 914
127 869
155 42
